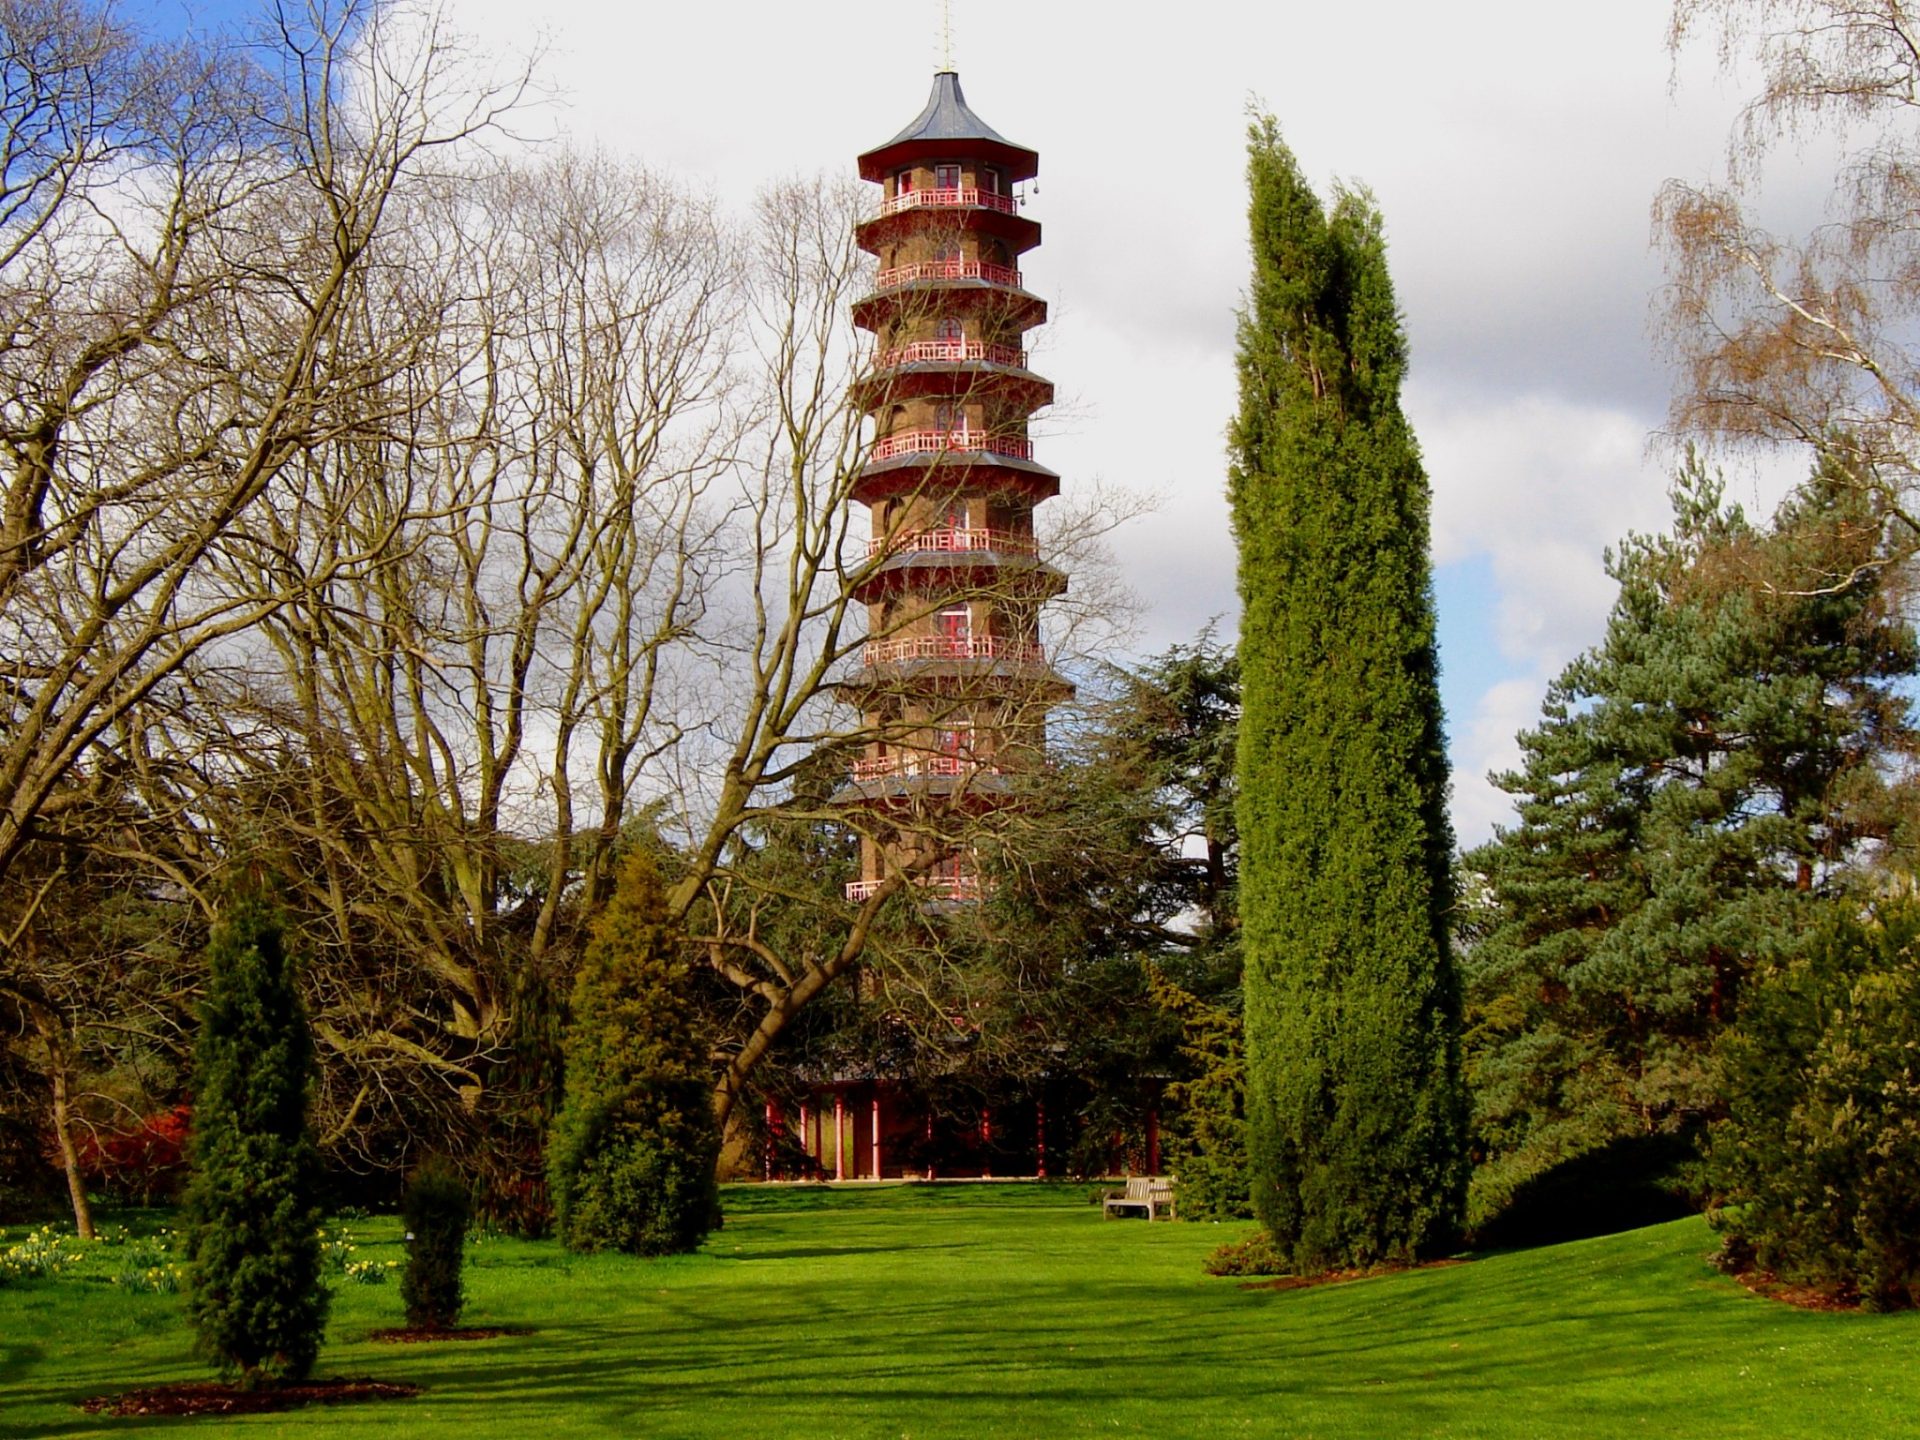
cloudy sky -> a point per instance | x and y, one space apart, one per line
1514 148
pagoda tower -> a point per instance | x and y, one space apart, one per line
954 686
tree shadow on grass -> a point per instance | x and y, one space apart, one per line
822 1252
796 1199
1612 1334
1066 1352
1625 1185
16 1360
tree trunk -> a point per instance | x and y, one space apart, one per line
69 1156
732 1083
786 1004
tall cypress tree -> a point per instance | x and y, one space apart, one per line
252 1208
1356 1113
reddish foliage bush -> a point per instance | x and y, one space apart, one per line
146 1162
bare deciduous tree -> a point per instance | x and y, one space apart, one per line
188 231
449 715
1809 340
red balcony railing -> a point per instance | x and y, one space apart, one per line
940 442
921 352
948 887
947 270
948 539
911 764
952 647
983 199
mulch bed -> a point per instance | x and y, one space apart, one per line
1344 1277
214 1399
403 1335
1807 1297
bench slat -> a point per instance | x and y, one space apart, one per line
1150 1193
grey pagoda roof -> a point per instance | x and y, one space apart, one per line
948 129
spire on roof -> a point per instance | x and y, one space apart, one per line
947 116
948 120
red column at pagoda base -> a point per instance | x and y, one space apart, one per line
806 1146
773 1129
929 1133
1153 1142
1040 1137
839 1136
986 1140
876 1134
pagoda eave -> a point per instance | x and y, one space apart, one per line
951 677
946 378
982 571
1019 233
904 476
980 792
1018 162
1019 309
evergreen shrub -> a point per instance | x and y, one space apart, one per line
1256 1255
252 1211
1815 1172
630 1160
436 1209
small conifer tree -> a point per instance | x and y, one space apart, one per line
1207 1143
631 1157
252 1211
436 1208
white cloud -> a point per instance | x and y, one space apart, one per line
1540 486
1515 158
1487 746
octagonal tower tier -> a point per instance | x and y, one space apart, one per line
955 684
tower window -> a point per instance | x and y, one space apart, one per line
948 328
990 181
946 177
903 182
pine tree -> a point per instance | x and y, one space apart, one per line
1702 783
1356 1116
252 1211
632 1153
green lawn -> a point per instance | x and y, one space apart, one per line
984 1311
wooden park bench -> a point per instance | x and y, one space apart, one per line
1149 1194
